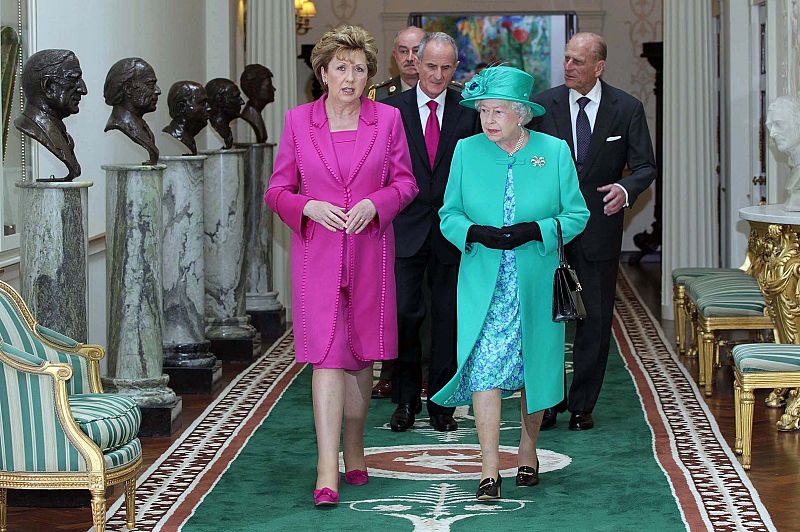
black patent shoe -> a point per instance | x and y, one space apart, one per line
527 476
489 489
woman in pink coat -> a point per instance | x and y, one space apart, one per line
341 175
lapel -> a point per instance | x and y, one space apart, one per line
562 118
410 113
602 125
321 138
452 111
365 135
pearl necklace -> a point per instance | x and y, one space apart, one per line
518 145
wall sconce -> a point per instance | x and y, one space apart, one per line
303 11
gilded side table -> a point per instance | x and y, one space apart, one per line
774 245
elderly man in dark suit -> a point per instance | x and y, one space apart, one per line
434 122
607 130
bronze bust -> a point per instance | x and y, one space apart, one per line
256 83
226 103
188 108
132 89
52 82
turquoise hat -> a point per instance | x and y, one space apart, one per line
500 83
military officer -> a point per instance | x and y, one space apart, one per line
404 51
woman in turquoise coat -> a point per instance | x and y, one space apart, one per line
506 189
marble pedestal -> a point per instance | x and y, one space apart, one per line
191 366
266 312
227 323
53 249
133 309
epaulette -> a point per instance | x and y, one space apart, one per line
372 91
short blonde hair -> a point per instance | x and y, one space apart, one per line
345 38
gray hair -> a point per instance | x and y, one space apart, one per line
437 36
523 111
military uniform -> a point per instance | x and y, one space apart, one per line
380 91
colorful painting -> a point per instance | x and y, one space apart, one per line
522 41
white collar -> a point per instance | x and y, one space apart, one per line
423 99
593 95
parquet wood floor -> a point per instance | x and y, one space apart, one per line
776 455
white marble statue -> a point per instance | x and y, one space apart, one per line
783 122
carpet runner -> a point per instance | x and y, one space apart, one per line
656 459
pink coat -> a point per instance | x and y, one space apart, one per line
306 169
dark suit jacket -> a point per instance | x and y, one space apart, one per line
415 222
619 115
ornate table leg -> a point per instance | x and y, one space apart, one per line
790 420
776 398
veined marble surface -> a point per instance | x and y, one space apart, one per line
133 274
54 235
224 238
183 272
258 228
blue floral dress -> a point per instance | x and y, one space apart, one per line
496 358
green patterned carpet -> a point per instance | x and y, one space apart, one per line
603 479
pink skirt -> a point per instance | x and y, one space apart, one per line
340 356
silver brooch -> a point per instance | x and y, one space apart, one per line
538 161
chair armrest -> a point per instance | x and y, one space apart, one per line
56 337
22 357
53 426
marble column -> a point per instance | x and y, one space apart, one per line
225 282
133 274
53 254
258 228
690 180
271 41
183 272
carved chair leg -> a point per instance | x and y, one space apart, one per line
701 365
694 337
737 410
680 317
747 400
3 510
130 503
99 510
708 361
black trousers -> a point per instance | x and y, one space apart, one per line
411 309
593 334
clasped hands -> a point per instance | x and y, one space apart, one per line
507 237
334 218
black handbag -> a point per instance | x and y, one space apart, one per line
567 302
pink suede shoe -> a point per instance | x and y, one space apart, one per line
356 477
325 497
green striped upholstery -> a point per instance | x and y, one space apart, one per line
681 275
758 358
124 455
31 437
742 303
700 287
14 330
110 420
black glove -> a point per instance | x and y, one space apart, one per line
491 237
521 233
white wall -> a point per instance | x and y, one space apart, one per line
181 39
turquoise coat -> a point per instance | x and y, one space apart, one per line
544 191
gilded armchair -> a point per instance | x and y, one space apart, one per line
57 429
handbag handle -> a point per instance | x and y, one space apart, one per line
562 260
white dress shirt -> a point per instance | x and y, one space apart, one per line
425 111
591 108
